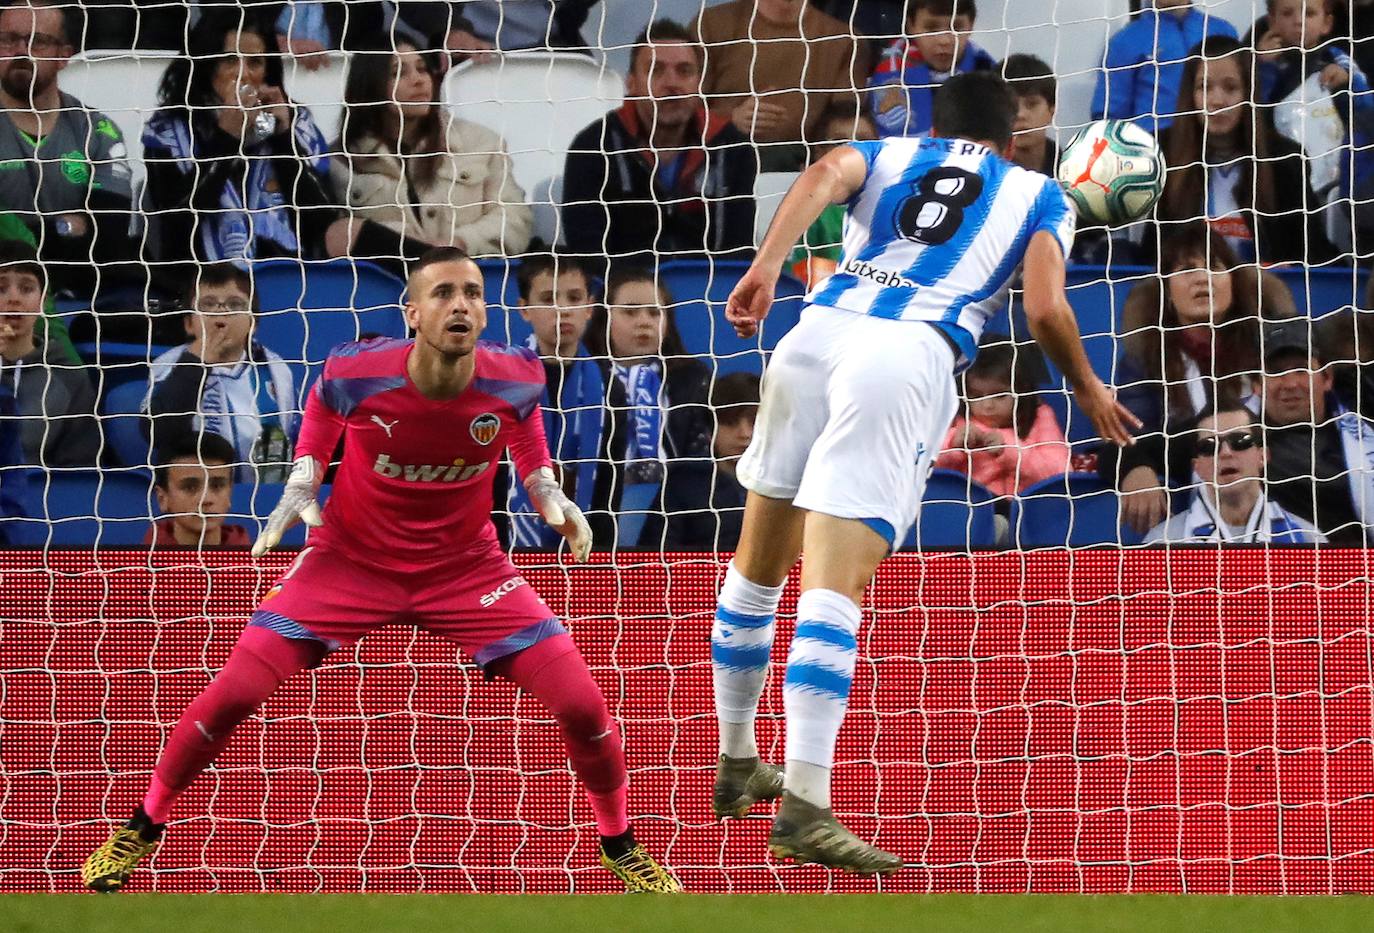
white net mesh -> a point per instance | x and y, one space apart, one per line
198 202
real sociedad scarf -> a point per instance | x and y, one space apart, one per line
1357 440
1267 524
255 211
574 429
644 455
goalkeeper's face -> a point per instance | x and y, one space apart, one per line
446 306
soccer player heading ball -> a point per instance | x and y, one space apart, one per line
407 538
855 403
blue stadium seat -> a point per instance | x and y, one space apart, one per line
956 512
308 308
105 508
1072 509
699 288
251 503
125 423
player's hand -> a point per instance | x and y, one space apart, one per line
1113 420
559 511
298 501
750 300
1144 503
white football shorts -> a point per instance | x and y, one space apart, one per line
854 410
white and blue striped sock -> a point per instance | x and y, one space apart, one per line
741 642
820 667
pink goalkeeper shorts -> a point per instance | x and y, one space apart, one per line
486 608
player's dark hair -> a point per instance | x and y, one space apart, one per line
1020 368
219 273
664 30
434 257
949 8
531 267
598 339
976 106
1028 76
735 397
203 447
16 255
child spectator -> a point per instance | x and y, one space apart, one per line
657 398
556 301
1032 81
193 482
54 399
1142 69
1191 337
1230 504
223 381
1005 438
936 46
1321 100
426 175
704 501
818 252
1228 165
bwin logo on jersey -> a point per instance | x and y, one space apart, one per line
457 471
484 427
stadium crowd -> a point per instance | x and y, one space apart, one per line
1256 408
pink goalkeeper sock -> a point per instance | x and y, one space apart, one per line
611 809
157 803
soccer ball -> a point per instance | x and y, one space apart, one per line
1113 172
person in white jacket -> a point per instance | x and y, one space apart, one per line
410 165
1229 504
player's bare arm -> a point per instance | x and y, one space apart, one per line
831 180
1055 328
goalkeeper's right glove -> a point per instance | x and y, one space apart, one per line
298 501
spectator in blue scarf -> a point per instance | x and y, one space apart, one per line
556 301
657 397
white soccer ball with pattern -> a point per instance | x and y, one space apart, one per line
1113 171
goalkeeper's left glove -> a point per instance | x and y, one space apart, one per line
559 511
298 501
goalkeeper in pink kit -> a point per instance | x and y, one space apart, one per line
406 538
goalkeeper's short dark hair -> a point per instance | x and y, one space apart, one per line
1029 76
204 447
533 266
434 257
975 105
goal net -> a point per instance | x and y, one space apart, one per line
1074 677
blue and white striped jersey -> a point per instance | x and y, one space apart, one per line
936 232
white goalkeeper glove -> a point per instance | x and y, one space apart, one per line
298 501
559 511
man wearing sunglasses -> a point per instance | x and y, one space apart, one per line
1321 456
1229 505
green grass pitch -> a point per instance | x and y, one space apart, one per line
278 913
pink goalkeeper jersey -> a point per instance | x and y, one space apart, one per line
415 486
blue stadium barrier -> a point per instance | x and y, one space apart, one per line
105 508
956 512
125 424
310 308
699 288
251 503
1072 509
